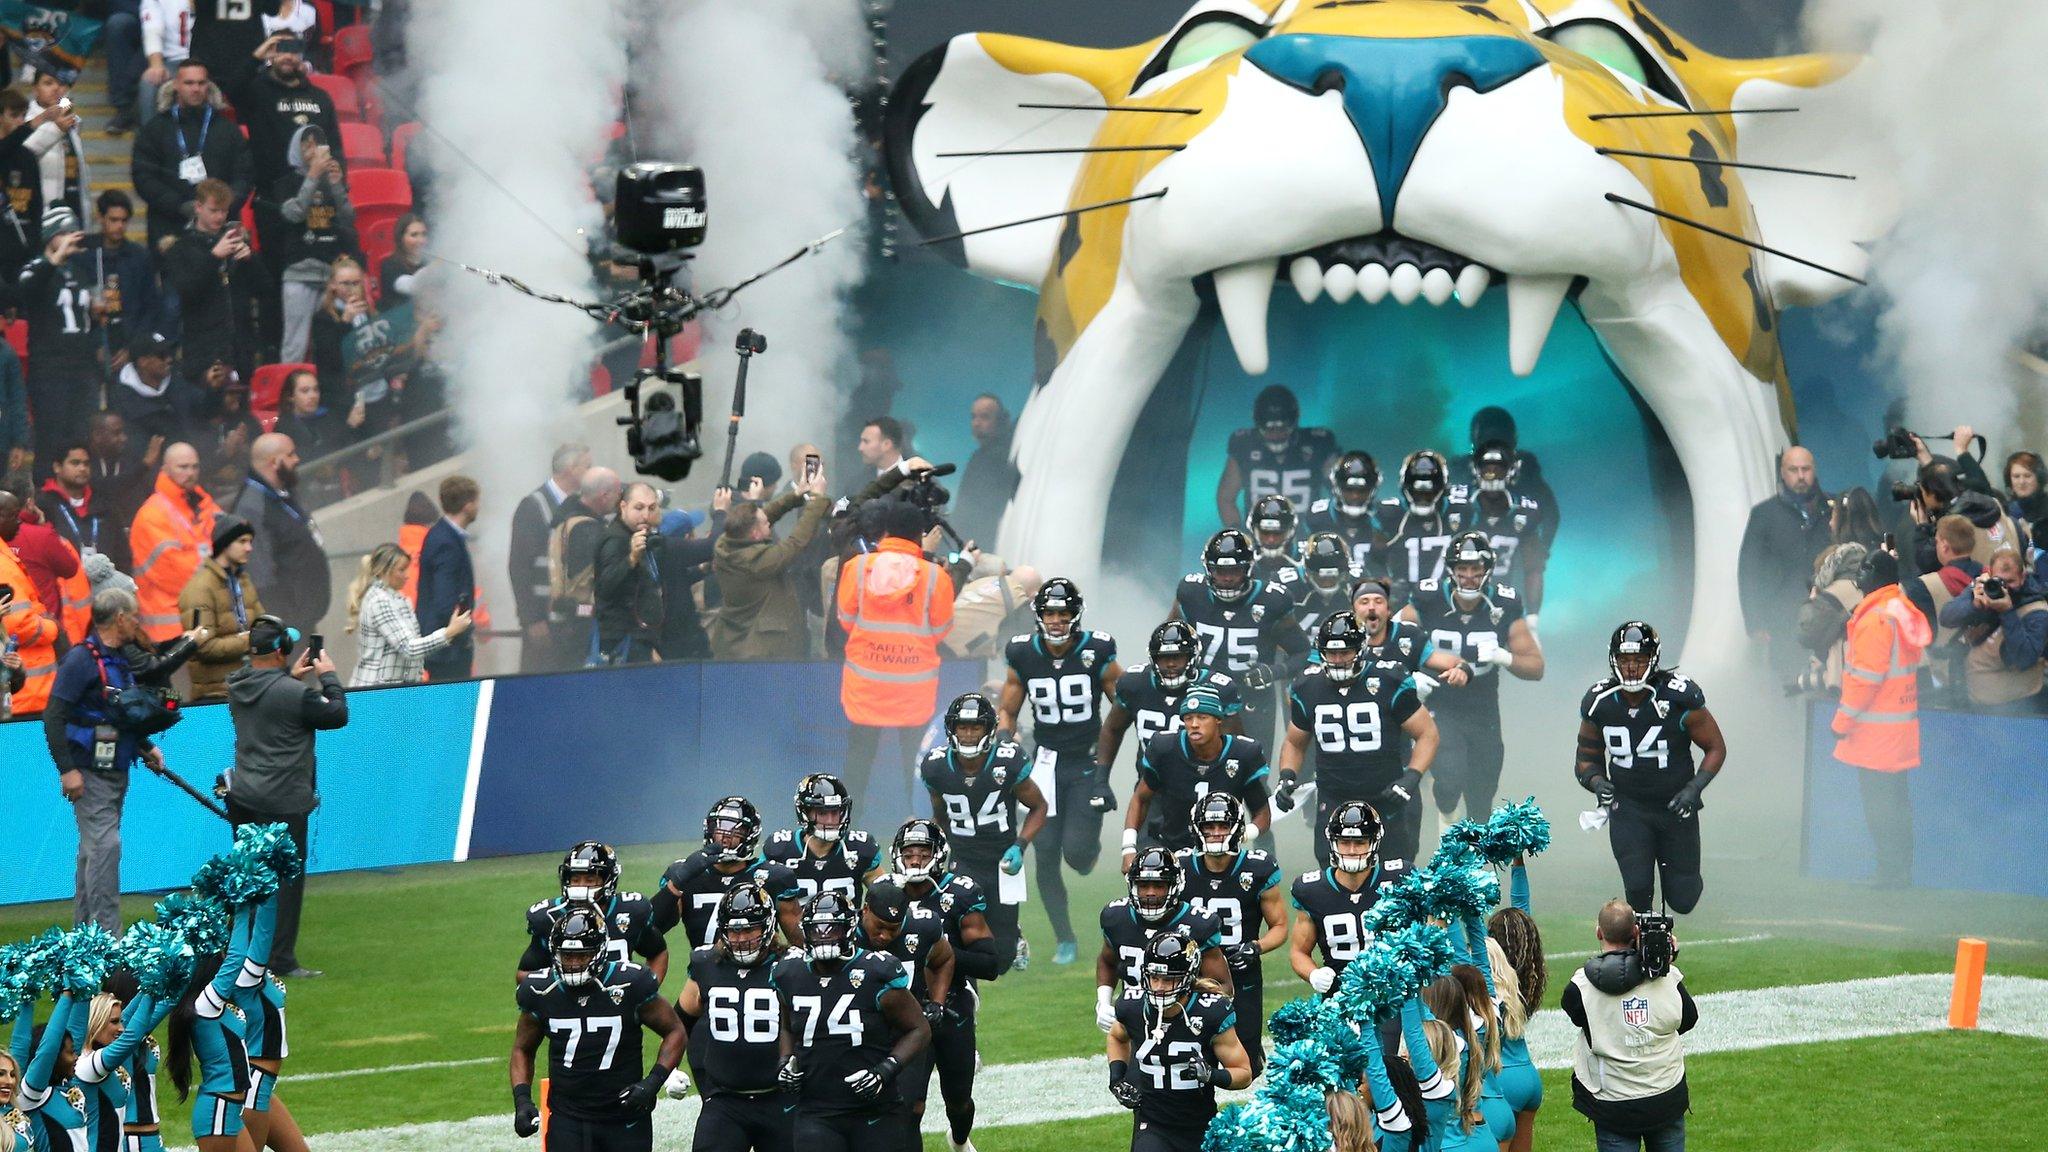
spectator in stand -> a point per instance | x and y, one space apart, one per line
219 287
389 646
228 432
2026 491
627 580
1824 621
1853 518
176 153
166 42
226 37
297 17
1775 569
526 556
61 161
222 598
989 479
69 505
15 444
761 617
305 417
21 177
572 566
1877 722
290 566
2005 623
172 535
343 307
123 273
44 556
151 397
447 578
319 225
63 350
122 35
274 103
399 273
120 481
988 605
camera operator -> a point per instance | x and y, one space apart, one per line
1630 1006
627 585
2005 623
858 522
1943 488
761 618
1824 618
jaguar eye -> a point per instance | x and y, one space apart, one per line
1604 44
1205 40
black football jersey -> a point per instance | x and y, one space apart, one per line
1298 470
1168 765
733 1045
1154 708
1232 897
1241 633
1513 526
922 931
1415 545
1063 694
593 1037
1361 532
1127 934
954 897
981 811
1284 573
1649 755
703 886
57 303
1474 635
836 1012
1355 727
1339 915
628 921
1162 1049
843 868
1314 605
1406 644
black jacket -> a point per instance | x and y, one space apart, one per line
219 299
274 111
629 596
21 217
1776 566
526 556
986 485
288 564
163 143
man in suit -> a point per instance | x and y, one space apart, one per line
447 581
527 553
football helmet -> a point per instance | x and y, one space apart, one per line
1227 558
1469 548
1423 481
576 943
926 840
1354 481
1058 594
1327 560
1156 884
1341 642
971 708
828 926
1494 465
590 858
1175 643
1218 821
1170 966
1272 523
1350 822
1635 645
746 920
732 830
817 794
1276 412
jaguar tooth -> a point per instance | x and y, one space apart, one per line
1242 292
1372 283
1406 284
1533 302
1307 276
1472 283
1342 283
1437 286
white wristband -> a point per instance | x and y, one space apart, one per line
1103 993
1130 839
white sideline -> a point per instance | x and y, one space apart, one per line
1073 1087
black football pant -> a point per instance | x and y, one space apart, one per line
569 1134
1468 759
732 1123
1001 917
1650 841
1401 840
951 1056
1074 835
1151 1136
856 1132
1248 1000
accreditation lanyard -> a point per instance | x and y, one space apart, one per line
205 126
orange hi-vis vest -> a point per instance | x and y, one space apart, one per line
1878 720
33 633
169 544
76 611
895 606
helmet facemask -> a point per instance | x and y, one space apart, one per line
1361 857
971 738
1057 625
1229 580
573 975
1633 667
827 940
746 941
1340 663
1468 581
1165 983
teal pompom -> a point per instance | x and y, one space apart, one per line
235 879
1424 948
1398 906
1458 889
15 990
199 919
161 959
273 845
42 961
86 952
1302 1018
1518 829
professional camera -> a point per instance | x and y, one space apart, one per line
660 207
1896 444
1905 493
1655 946
1807 681
1994 588
663 440
923 490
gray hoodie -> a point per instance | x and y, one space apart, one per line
275 717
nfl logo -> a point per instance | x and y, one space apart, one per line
1635 1011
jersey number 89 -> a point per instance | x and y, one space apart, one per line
1621 755
1067 700
755 1018
1343 939
1354 726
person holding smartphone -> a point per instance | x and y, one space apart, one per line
762 619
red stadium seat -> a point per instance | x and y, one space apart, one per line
327 25
401 139
378 187
362 144
249 224
352 49
373 103
600 380
17 336
348 101
266 385
379 238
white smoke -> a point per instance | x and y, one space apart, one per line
518 101
1956 104
754 93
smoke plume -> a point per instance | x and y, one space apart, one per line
1955 105
754 93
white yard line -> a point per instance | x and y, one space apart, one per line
1074 1087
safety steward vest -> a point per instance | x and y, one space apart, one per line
169 544
76 589
895 606
1991 683
34 635
1878 720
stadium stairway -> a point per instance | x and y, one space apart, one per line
106 155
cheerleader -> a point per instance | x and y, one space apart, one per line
1453 1117
1467 1126
207 1023
1402 1090
51 1115
260 995
1515 949
117 1042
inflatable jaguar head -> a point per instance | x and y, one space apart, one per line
1354 150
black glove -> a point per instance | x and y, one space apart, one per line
791 1077
1207 1073
1603 791
937 1014
1126 1093
638 1097
1282 666
1257 677
1283 795
869 1082
1100 796
525 1116
1687 802
1400 794
1244 955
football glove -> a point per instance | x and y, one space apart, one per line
1687 802
791 1077
1500 657
1013 860
638 1097
1283 795
869 1082
1100 796
1401 793
678 1086
1124 1090
1257 677
525 1116
1243 955
1105 1008
1602 789
1322 980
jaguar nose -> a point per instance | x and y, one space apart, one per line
1393 89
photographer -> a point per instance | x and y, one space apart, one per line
627 583
1630 1006
1941 489
761 618
1824 619
2005 623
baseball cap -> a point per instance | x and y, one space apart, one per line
148 343
887 900
268 636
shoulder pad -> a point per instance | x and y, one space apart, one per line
707 951
1393 865
1131 994
967 883
1322 505
1529 502
782 836
1311 670
1211 1000
1310 877
1183 854
632 898
1460 492
1196 578
1429 585
935 755
538 906
1319 434
1021 638
1242 436
1221 678
1503 592
859 836
1259 854
1119 902
1011 747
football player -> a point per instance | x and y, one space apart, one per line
590 874
1333 902
1348 510
1416 530
591 1010
692 887
1154 902
1479 622
1148 695
825 850
1354 714
978 785
1637 730
1175 769
849 1026
1494 424
1063 671
892 924
1275 457
1390 638
920 856
1246 625
1327 576
1171 1045
1272 524
1511 520
734 1021
1240 887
